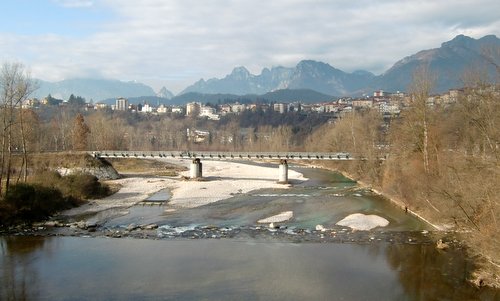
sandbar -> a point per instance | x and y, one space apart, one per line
221 180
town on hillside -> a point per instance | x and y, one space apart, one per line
387 103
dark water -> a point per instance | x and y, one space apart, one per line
397 262
69 268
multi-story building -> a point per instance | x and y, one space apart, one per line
362 103
280 107
177 110
193 109
101 106
147 108
162 109
121 104
238 108
209 112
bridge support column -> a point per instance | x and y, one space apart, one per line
283 172
195 172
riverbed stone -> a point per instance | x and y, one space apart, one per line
150 227
81 225
132 227
440 245
320 228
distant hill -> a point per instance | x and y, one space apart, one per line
283 95
92 89
292 95
241 82
165 93
152 100
310 75
448 63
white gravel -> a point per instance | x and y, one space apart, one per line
278 218
222 180
360 221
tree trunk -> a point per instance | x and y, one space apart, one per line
25 150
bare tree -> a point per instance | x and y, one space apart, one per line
29 125
15 87
418 119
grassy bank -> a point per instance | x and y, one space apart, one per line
145 166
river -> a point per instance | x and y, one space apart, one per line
218 252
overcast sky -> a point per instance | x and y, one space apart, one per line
174 43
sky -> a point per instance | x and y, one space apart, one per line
174 43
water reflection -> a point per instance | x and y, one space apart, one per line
18 267
429 274
131 269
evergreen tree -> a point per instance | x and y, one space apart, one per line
52 101
80 133
76 100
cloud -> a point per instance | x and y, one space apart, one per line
184 40
74 3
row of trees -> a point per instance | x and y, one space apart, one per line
29 192
15 87
22 129
67 128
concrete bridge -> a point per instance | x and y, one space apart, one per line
197 156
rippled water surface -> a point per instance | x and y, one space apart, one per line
325 199
69 268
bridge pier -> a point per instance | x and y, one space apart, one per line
283 172
195 171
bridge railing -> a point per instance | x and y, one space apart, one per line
224 155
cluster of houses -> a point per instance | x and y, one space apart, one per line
387 103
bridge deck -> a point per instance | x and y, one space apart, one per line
223 155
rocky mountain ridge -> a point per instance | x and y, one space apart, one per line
446 63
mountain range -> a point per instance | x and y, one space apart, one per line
447 64
91 89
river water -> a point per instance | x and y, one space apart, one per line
234 258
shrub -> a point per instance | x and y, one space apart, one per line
32 201
48 193
6 213
78 186
47 178
83 186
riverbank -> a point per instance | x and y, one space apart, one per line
488 271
